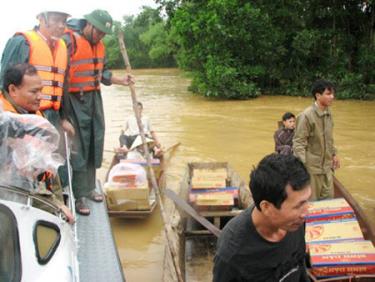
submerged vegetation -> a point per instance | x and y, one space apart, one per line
239 49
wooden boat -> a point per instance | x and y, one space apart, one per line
197 246
157 166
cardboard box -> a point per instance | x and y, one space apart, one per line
342 258
213 173
209 178
326 272
128 198
331 209
215 199
233 191
330 231
205 183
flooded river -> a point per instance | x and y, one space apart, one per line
240 132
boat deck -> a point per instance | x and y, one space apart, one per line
97 251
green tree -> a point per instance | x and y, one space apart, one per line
156 39
145 38
238 49
218 41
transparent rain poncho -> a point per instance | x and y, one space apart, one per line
28 145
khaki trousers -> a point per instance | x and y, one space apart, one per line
322 186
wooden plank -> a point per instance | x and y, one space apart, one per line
231 213
198 233
367 229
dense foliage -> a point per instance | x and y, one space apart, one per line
239 49
146 40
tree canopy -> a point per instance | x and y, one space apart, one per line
239 49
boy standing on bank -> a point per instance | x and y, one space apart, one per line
313 140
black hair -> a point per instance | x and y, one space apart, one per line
268 181
288 115
15 73
140 104
320 85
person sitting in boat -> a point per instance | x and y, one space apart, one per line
28 137
266 242
130 134
136 151
284 135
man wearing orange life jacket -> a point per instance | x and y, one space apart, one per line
22 94
43 48
83 104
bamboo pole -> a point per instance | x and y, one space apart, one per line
155 187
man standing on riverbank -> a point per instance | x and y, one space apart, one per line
83 104
266 242
313 140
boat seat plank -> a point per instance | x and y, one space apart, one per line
198 233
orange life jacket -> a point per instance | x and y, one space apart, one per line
8 107
51 68
86 64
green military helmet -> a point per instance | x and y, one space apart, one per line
101 20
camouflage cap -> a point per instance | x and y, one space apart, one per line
101 20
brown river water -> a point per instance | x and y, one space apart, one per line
240 132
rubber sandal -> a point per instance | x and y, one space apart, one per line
96 197
81 207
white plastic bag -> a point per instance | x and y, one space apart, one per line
127 175
28 145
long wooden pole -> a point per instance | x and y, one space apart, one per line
155 187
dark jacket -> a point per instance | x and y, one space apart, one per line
283 140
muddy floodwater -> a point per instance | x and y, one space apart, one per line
240 132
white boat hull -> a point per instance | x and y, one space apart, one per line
62 266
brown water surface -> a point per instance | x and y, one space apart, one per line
239 132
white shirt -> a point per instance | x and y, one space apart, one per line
131 126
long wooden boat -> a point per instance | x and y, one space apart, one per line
158 168
197 246
158 165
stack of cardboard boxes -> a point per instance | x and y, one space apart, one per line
335 241
209 190
127 188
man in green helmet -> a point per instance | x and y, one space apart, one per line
83 104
